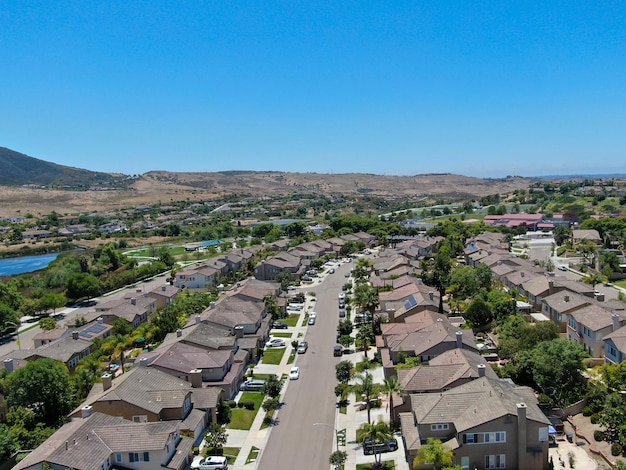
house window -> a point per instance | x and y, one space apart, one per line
495 461
140 419
439 427
465 463
612 351
119 458
471 438
494 437
139 456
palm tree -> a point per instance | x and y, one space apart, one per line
434 452
391 386
364 338
365 387
378 433
366 298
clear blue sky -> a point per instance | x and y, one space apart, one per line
487 88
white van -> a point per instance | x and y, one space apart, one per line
212 462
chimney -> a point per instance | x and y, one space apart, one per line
67 443
195 377
133 300
163 288
522 274
550 287
391 315
143 362
431 295
86 411
239 331
566 298
8 365
107 381
617 321
481 370
100 320
179 333
212 305
521 436
74 334
459 339
198 319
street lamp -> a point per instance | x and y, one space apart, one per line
336 437
17 332
333 428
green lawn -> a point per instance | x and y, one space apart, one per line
252 456
281 335
273 355
292 319
242 418
231 454
389 465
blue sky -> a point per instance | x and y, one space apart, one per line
489 89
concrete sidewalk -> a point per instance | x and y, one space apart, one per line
257 438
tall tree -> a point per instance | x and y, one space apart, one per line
44 386
375 433
365 388
216 437
391 386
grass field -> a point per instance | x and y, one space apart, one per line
241 418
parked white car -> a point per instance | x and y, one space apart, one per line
294 373
275 343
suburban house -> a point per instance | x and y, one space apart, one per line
164 295
425 335
135 310
202 276
68 350
529 221
146 395
268 270
589 325
558 306
203 344
483 411
615 346
578 235
99 442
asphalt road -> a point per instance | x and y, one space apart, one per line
311 399
70 313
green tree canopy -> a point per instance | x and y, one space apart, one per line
435 453
272 386
43 386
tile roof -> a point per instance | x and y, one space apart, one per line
444 370
474 403
181 357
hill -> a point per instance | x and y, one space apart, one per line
17 169
30 185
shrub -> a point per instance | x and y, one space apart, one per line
240 404
616 449
598 435
196 450
594 418
587 411
249 405
231 403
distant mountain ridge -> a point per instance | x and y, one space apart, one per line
18 169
